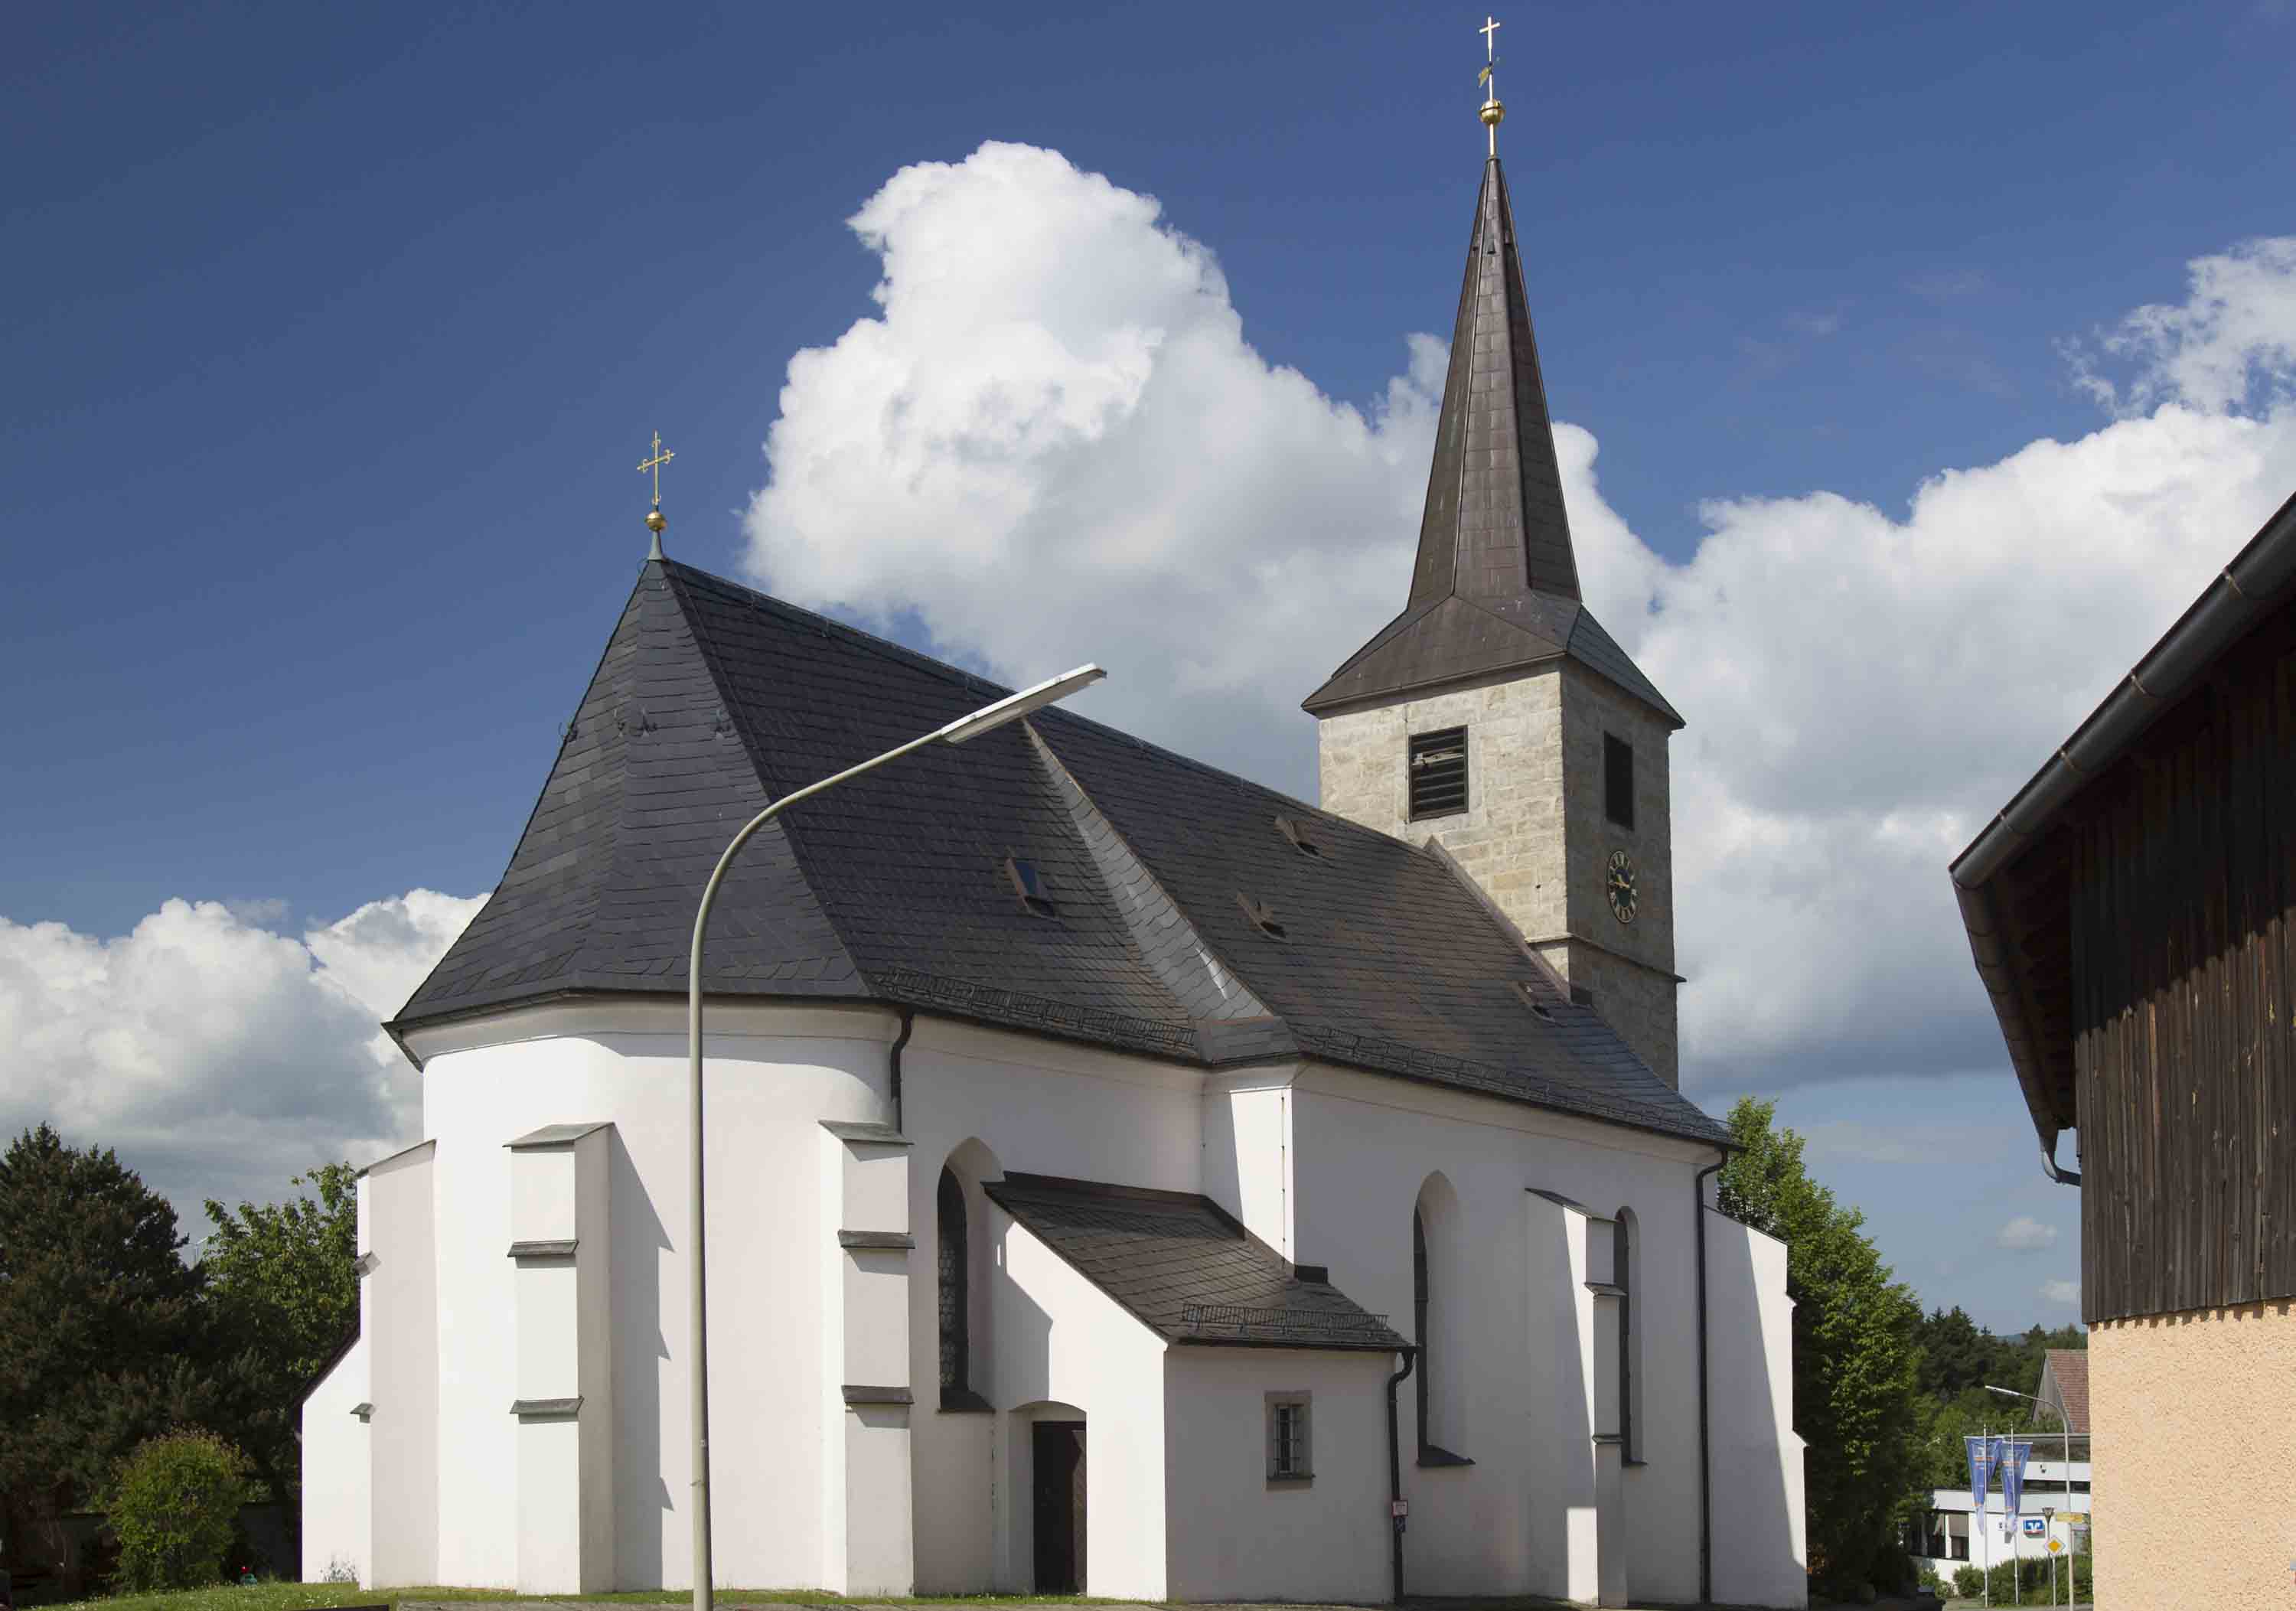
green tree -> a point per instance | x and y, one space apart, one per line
175 1508
99 1323
282 1294
1857 1360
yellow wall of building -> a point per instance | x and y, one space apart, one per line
2196 1458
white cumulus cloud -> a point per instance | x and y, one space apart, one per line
218 1055
1054 442
2061 1292
2025 1234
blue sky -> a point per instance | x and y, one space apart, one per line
336 333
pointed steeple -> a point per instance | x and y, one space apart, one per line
1495 585
1495 524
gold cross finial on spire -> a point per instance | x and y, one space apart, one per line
654 520
1493 110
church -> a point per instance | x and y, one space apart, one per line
1122 1179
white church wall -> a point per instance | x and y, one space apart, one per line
774 1074
400 1311
1246 1151
867 1541
1761 1551
561 1306
993 1102
1236 1535
336 1497
1063 1345
1362 1149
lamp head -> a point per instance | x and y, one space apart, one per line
1015 706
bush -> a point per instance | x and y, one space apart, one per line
1968 1582
2034 1572
175 1509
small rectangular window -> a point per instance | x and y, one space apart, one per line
1438 772
1288 1448
1619 780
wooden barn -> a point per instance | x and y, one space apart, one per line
2131 913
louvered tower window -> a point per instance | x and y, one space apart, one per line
956 1295
1438 772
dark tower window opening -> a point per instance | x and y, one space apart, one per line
1619 780
955 1289
1438 772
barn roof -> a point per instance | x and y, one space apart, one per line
2010 882
1175 915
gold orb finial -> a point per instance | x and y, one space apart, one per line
1494 112
655 521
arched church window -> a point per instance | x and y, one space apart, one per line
1419 1323
1429 1311
1622 1276
955 1289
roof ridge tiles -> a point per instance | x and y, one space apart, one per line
766 602
737 712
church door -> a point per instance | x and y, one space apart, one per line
1059 1450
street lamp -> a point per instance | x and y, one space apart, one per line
1011 708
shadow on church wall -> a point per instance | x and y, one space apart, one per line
642 1495
1553 1347
1754 1500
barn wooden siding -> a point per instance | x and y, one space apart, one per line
2182 876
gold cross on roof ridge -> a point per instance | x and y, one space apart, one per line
655 464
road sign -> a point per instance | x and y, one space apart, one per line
2056 1544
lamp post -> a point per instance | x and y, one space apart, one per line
1011 708
2066 1428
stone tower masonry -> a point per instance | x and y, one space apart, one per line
1561 815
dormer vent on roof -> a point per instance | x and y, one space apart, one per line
1290 827
1029 884
1262 915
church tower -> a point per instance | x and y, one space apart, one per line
1494 716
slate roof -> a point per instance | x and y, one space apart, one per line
1495 585
1178 1263
712 699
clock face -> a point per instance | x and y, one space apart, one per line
1620 886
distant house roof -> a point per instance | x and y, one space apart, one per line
2066 1371
1179 1264
2026 966
1150 876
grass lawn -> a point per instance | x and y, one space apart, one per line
320 1597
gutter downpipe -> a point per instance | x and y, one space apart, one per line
1395 1468
2055 1170
908 1027
1705 1434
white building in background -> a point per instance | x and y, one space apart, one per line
1122 1178
1956 1535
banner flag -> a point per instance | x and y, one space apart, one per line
1981 1471
2013 1472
